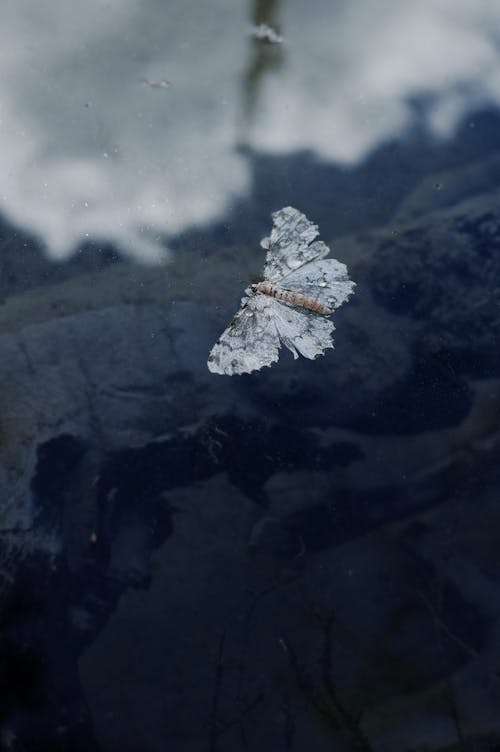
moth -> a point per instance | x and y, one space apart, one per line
290 306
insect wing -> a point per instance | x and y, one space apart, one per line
326 281
290 244
250 342
302 331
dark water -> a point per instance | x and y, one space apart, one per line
306 557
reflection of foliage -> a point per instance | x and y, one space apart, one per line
243 705
244 709
320 694
6 565
323 696
212 439
354 686
15 547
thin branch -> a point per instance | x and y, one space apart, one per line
348 720
455 714
238 721
310 692
445 628
288 727
214 714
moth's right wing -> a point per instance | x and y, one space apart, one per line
326 281
250 342
302 331
290 244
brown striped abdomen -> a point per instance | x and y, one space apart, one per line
297 299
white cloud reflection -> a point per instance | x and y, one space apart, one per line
89 152
355 67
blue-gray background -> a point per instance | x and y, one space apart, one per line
301 559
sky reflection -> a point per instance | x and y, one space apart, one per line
91 153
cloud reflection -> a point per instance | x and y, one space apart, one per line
355 69
89 152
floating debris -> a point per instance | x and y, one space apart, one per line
266 34
289 307
162 83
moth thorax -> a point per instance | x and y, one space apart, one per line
267 288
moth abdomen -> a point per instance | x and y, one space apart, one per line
297 299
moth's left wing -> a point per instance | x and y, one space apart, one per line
302 331
290 244
250 342
326 281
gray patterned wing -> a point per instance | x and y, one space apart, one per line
290 244
326 281
250 342
302 331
